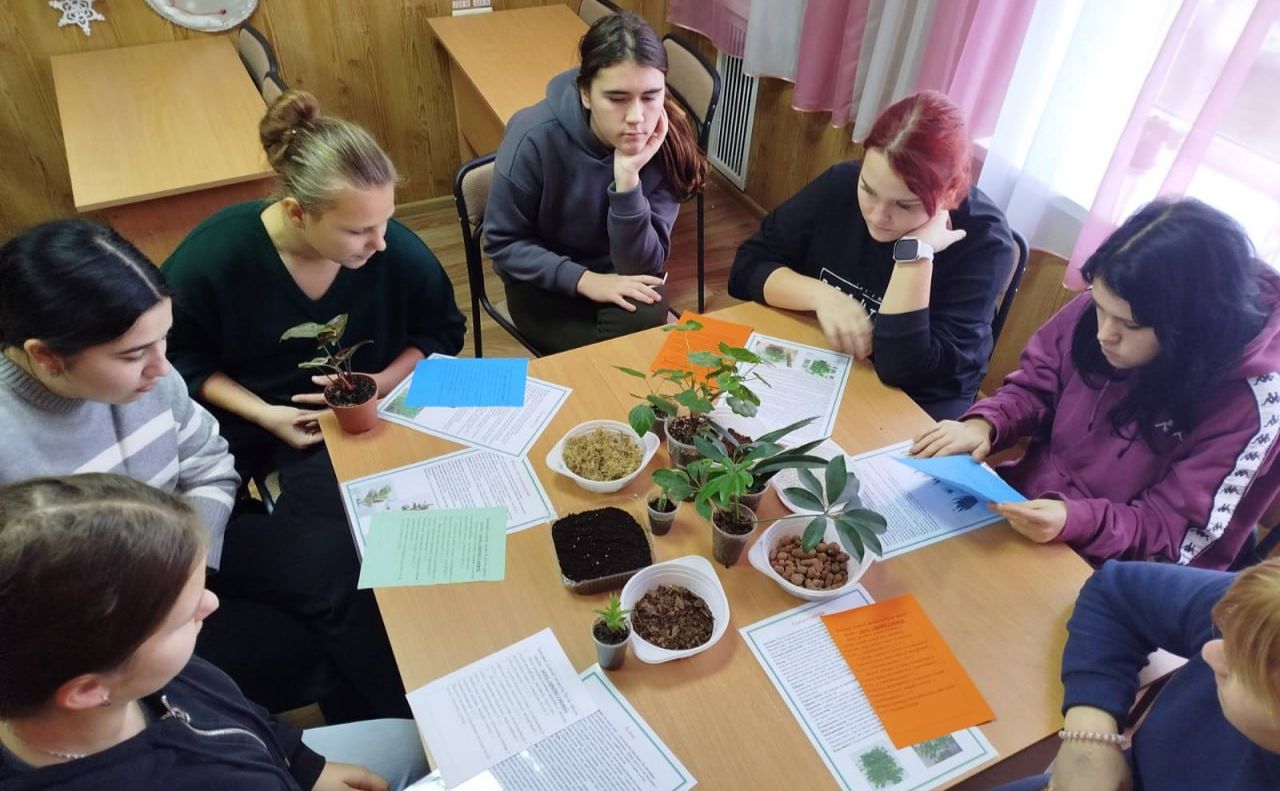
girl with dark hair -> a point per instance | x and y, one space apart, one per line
85 387
102 598
586 187
327 244
1152 403
911 278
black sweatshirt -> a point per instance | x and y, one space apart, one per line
938 355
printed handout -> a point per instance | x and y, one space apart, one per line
509 430
463 479
800 658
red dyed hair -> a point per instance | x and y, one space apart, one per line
925 140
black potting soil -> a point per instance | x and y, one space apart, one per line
598 543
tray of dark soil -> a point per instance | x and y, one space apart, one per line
600 549
673 617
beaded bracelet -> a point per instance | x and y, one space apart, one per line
1116 739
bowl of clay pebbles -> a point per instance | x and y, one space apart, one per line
678 609
826 571
602 456
599 550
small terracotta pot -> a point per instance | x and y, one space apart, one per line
727 547
361 417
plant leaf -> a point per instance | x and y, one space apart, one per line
741 407
865 516
665 406
810 481
813 533
703 507
309 329
851 540
785 460
711 449
837 477
741 355
774 436
696 404
630 371
803 498
641 418
704 359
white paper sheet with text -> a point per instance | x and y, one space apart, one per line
499 706
463 479
799 657
506 429
612 748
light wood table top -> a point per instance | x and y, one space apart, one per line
1000 602
509 56
156 120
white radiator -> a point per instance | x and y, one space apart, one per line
730 145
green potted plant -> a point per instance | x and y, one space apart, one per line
611 631
674 487
353 397
769 456
695 393
835 502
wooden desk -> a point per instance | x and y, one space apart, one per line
500 63
1000 602
160 136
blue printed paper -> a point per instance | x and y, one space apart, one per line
964 473
455 382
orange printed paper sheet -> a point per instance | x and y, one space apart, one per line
674 353
912 679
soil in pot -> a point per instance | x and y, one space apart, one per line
339 396
668 505
824 567
672 617
660 521
686 427
602 455
738 521
598 543
607 636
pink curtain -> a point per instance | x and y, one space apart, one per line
827 64
722 21
971 53
1187 101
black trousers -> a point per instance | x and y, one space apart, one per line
555 322
292 628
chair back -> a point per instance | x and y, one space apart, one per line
694 83
1011 288
256 54
272 87
591 10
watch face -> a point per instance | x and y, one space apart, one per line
906 249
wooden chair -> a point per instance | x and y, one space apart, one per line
591 10
1011 288
695 85
256 54
471 194
271 88
1040 295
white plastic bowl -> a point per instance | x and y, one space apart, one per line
783 529
648 446
693 572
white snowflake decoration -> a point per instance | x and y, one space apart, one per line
77 12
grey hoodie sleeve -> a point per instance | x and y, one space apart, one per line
640 227
511 236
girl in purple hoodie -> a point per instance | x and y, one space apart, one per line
1152 403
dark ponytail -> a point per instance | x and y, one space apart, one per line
625 36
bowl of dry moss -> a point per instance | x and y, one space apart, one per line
602 455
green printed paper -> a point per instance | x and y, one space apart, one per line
433 547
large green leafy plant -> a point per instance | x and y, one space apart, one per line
835 501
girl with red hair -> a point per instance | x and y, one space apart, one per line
901 260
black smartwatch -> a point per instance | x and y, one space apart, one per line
909 248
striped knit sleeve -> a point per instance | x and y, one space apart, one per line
206 471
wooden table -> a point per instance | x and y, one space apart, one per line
160 136
1000 602
500 63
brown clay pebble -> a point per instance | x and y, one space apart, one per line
672 617
824 567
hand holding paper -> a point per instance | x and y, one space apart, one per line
962 472
1039 520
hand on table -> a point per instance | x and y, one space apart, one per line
845 323
1039 520
953 437
344 777
621 290
299 428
